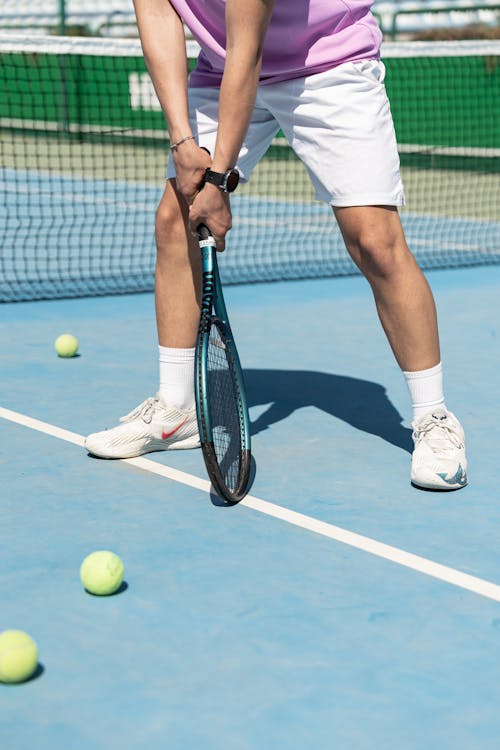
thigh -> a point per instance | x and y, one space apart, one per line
377 226
339 123
203 115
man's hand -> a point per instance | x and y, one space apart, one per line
190 162
211 207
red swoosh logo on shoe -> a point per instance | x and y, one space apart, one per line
166 435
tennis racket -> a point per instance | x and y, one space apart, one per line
221 405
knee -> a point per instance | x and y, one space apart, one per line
170 227
379 254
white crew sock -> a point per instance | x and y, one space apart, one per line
177 377
426 390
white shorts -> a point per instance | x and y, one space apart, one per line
338 123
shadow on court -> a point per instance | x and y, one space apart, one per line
360 403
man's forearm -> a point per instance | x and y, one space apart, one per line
163 43
246 26
236 103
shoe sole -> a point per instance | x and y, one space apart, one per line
186 444
437 488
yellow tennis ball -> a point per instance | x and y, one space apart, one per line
66 345
101 573
18 656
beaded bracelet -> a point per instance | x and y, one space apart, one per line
182 140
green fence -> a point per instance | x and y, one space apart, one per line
444 101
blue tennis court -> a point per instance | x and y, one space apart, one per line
337 606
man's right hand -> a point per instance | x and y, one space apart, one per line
190 162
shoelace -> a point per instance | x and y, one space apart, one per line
438 434
144 411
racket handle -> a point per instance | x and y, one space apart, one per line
203 231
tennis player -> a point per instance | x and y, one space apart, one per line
312 69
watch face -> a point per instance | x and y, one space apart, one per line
233 177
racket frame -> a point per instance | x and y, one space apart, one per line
213 310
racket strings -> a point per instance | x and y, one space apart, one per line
224 408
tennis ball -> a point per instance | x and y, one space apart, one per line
102 573
66 345
18 656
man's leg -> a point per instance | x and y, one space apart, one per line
178 273
340 125
375 240
167 421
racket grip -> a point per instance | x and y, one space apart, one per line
203 231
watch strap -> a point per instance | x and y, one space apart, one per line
221 179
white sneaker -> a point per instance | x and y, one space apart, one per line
438 461
152 426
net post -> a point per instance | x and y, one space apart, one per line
394 25
62 17
63 106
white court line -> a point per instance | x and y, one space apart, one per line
372 546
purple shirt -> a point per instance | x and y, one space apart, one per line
303 37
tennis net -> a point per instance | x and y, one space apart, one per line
83 151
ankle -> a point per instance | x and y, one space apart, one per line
426 390
177 376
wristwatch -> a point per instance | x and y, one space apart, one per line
226 181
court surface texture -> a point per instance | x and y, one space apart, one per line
336 607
